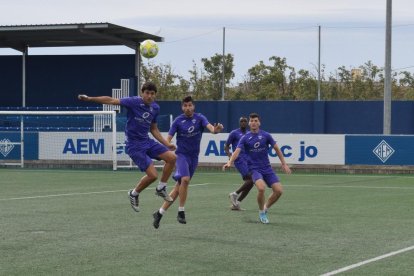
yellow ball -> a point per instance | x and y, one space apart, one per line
148 48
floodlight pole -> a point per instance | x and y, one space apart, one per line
223 63
387 71
319 62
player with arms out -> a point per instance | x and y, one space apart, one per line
142 115
189 128
256 145
240 163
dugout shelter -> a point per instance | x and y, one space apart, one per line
23 37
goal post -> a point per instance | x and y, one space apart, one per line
58 138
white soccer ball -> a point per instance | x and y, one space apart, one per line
148 48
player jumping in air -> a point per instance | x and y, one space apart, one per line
189 128
141 119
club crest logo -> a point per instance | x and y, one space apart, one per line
6 147
383 151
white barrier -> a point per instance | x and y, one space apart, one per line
297 148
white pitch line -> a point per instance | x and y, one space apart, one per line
379 176
88 193
346 268
202 184
343 186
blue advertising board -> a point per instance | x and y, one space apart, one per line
9 151
379 150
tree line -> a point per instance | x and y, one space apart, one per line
276 80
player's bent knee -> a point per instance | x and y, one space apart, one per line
260 190
278 189
185 181
169 157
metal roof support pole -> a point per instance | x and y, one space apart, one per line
24 55
223 84
137 68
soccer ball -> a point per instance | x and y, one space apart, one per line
148 48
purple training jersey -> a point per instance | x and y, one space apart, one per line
233 140
139 118
189 131
256 146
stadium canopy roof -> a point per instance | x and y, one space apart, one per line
20 37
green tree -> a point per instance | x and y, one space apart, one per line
269 81
200 84
214 68
407 85
303 86
170 86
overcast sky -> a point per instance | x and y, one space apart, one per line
353 31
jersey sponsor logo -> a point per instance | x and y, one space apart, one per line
256 145
190 129
145 118
6 147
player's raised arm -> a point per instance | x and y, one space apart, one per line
279 153
100 99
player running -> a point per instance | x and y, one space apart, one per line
256 145
240 163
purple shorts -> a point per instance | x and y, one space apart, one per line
241 166
267 174
185 166
142 154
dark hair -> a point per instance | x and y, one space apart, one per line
187 99
254 115
242 118
150 86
